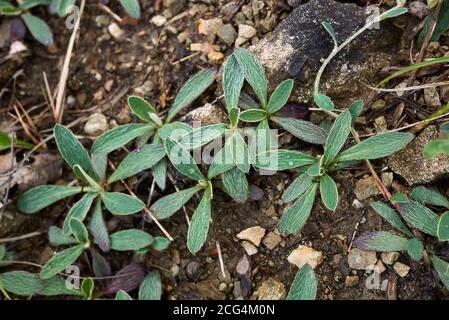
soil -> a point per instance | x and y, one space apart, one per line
149 59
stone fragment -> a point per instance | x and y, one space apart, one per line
253 234
305 255
361 260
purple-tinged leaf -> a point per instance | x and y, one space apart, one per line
100 265
292 110
127 279
381 241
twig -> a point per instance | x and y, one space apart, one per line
59 108
220 259
22 237
110 12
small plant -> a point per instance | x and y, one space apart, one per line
438 146
315 170
73 232
304 286
417 216
154 128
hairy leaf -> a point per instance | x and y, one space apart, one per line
297 188
174 130
323 101
443 227
329 192
415 249
355 109
280 96
420 217
131 7
222 161
253 115
35 199
191 90
141 108
425 196
182 160
236 185
296 216
57 237
381 241
159 171
138 161
78 230
21 283
199 225
240 152
391 216
78 211
304 130
151 287
118 137
130 240
121 204
61 261
233 80
253 71
304 285
331 32
202 135
122 295
160 243
435 148
38 28
282 160
168 205
98 228
376 147
337 137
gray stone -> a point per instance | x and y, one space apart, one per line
411 165
361 260
245 33
175 6
227 34
96 124
295 47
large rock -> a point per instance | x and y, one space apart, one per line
411 165
295 47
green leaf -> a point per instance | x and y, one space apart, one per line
355 109
100 164
168 205
21 283
118 137
391 216
442 24
202 135
151 287
56 286
121 204
8 9
253 71
6 141
72 151
2 252
323 101
304 130
35 199
122 295
329 192
395 12
441 266
28 4
87 288
222 161
316 169
234 114
63 7
240 152
159 171
130 240
38 28
420 217
191 90
337 137
398 197
199 224
236 185
331 32
381 241
131 7
280 96
296 216
425 196
443 227
141 108
297 188
379 146
414 67
78 211
282 159
233 79
415 249
304 285
83 176
138 161
78 229
435 148
253 115
174 130
160 243
57 237
263 141
182 160
98 228
61 261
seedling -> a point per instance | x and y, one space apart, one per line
157 129
316 170
150 288
96 194
413 213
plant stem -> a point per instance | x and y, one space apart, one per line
348 41
7 297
